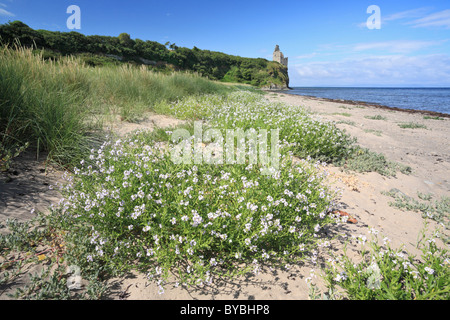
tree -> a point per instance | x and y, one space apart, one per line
125 40
15 31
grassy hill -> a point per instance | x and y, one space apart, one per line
105 50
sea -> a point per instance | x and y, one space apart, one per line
429 99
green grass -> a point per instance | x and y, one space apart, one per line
345 114
377 117
436 209
375 132
433 118
54 105
348 122
364 160
412 125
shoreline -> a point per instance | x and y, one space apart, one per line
368 104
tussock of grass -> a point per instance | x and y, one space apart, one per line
51 104
344 114
433 118
438 209
375 132
377 117
412 125
364 160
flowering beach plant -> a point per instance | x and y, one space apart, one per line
299 131
385 273
195 220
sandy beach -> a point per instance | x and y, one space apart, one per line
28 186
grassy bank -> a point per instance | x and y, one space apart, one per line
55 106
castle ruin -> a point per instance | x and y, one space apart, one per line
279 57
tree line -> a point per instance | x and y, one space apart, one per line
211 64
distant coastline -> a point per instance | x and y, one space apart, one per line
294 92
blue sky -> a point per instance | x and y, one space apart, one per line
328 42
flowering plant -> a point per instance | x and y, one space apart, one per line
386 273
195 220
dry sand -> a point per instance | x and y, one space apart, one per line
27 186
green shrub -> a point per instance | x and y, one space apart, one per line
194 220
299 132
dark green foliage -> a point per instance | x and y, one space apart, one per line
213 65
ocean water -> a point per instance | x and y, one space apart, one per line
430 99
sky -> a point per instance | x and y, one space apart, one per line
328 43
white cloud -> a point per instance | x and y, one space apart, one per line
5 13
307 56
391 70
437 19
422 19
408 14
398 46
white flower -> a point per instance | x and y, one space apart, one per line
161 290
414 273
340 277
429 270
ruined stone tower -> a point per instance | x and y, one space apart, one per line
279 57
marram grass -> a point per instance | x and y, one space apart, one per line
51 104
